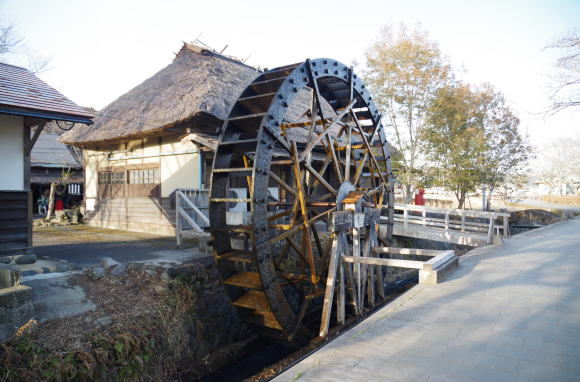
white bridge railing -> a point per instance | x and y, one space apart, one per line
191 212
458 220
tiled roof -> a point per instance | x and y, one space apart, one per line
20 88
48 152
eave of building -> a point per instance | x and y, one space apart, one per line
44 114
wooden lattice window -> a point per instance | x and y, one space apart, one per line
111 177
144 176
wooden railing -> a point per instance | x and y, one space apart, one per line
458 220
191 212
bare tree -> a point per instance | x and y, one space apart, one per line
9 40
566 75
558 165
404 72
15 50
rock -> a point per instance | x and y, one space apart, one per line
161 290
119 269
104 321
151 272
9 276
108 262
26 259
29 272
165 277
4 260
97 273
61 267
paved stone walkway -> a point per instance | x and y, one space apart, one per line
508 313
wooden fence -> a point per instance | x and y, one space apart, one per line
458 220
191 212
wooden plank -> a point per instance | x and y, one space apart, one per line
380 282
329 291
452 211
351 285
357 266
437 261
341 302
188 219
384 262
408 251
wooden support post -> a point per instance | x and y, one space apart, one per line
424 214
371 287
351 284
462 223
446 221
490 231
368 277
330 282
405 219
357 267
371 273
341 307
506 227
178 228
351 287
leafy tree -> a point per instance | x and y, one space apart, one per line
404 71
566 76
473 139
507 149
454 141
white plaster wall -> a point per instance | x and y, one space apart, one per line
91 175
179 171
176 171
11 153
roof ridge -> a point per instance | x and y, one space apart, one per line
206 50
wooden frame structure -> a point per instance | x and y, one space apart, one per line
359 274
460 226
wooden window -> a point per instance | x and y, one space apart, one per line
111 177
144 176
112 184
144 182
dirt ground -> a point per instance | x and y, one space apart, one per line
85 246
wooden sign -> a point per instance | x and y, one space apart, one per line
341 221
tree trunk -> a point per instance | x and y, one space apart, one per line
488 204
461 199
407 194
51 201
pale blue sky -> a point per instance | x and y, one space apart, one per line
101 49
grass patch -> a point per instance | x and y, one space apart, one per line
147 340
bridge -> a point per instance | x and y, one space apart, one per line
507 313
458 226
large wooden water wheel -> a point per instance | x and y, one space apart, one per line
300 141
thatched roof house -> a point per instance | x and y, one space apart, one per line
196 90
135 157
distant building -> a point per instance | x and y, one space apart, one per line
25 102
53 162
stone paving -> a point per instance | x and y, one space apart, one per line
508 313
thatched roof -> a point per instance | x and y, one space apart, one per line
196 90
